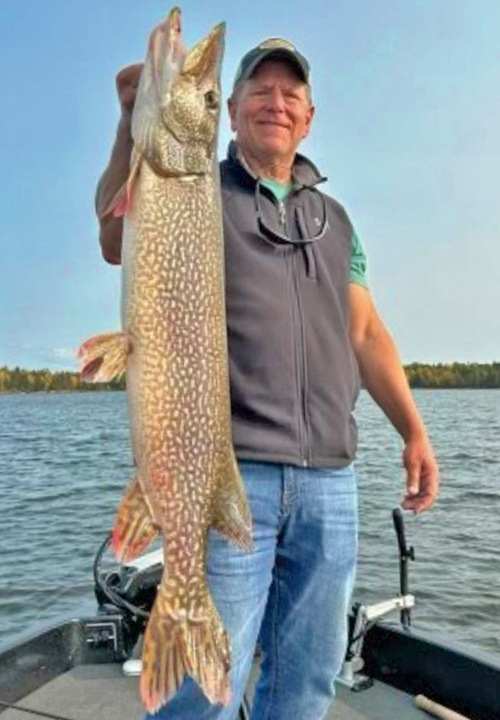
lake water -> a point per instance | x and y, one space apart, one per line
65 459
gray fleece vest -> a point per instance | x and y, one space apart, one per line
293 376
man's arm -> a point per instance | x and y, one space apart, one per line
384 378
116 174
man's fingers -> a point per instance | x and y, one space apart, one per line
422 475
127 82
129 75
422 480
418 503
413 470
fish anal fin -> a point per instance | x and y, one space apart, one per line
231 514
103 357
176 645
134 528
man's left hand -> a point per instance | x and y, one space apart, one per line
422 475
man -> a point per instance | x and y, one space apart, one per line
301 322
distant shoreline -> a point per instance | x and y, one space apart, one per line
438 376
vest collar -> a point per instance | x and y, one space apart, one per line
304 172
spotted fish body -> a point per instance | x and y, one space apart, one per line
175 346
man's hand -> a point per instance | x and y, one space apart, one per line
117 172
422 475
127 81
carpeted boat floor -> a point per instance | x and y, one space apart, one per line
101 692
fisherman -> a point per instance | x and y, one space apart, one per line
302 330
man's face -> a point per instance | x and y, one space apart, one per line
271 112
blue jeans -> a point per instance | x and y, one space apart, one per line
292 594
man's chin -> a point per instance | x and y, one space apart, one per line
274 147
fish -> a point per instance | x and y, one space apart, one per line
173 350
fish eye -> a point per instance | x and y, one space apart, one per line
211 100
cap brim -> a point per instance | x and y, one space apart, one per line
280 53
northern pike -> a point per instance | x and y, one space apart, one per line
173 345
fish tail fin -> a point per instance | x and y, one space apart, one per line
103 357
134 528
232 516
176 645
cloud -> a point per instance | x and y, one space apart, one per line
32 357
64 354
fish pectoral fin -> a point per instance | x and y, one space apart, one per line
177 644
134 528
123 198
232 517
103 357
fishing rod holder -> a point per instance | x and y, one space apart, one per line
363 616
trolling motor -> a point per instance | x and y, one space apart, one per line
364 616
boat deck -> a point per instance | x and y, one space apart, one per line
102 692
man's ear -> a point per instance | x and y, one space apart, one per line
231 108
309 120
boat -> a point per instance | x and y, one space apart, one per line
85 667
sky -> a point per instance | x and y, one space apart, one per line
407 130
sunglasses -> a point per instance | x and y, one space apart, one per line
305 236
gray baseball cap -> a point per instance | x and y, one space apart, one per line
272 47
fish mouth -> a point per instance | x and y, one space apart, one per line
217 33
210 47
173 27
174 19
203 60
171 69
205 57
166 41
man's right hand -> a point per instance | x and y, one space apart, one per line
116 174
127 81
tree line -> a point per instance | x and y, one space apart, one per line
19 380
420 375
454 375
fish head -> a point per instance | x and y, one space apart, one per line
177 110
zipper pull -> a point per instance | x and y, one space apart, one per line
282 214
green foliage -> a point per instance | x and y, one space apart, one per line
420 375
456 375
18 380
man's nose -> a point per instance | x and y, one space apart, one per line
276 100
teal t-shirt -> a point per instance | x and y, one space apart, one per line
279 190
357 272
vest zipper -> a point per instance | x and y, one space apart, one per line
302 367
282 212
300 354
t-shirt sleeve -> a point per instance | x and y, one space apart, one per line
357 272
